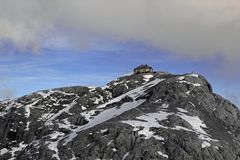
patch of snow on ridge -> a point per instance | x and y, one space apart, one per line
98 99
9 104
125 156
55 135
147 77
181 78
115 111
196 123
45 95
27 107
46 116
89 114
182 110
104 116
3 151
84 108
193 75
144 123
27 126
182 128
201 135
126 86
192 104
91 88
53 146
17 149
159 138
188 92
66 109
50 92
165 106
194 84
103 130
205 144
162 154
158 101
133 93
197 126
109 142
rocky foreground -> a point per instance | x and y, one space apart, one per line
143 116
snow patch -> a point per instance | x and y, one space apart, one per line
181 78
104 116
144 123
66 124
98 99
45 95
205 144
103 130
53 147
109 143
66 109
182 110
194 84
133 93
160 138
9 104
3 151
158 101
216 147
125 156
193 75
46 116
89 114
55 135
147 77
27 126
91 88
188 92
196 123
162 154
192 104
17 149
182 128
27 107
197 126
108 114
165 106
126 86
83 108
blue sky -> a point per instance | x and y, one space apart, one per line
47 44
26 72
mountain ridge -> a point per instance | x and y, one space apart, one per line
153 115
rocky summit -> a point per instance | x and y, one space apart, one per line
143 116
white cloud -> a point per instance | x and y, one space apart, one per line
195 28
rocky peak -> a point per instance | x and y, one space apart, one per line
151 115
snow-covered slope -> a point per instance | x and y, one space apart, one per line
138 116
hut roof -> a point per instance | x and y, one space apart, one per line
143 67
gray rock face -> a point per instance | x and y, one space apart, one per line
136 117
